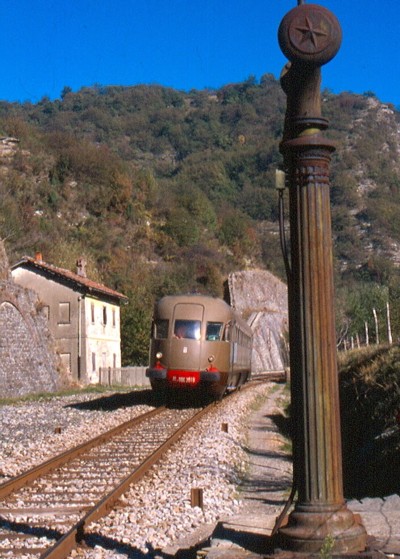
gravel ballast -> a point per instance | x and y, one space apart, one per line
32 432
157 511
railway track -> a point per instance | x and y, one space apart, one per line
44 512
281 375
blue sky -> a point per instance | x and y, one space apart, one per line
185 44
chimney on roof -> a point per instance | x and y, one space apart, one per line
38 257
81 267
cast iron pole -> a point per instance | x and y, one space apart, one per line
310 36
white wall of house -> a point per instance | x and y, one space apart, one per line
103 340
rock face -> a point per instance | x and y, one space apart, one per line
28 362
262 300
8 146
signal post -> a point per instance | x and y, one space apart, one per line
310 36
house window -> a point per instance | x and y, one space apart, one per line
92 312
64 313
93 362
114 360
66 361
104 315
46 311
114 318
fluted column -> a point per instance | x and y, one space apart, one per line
310 36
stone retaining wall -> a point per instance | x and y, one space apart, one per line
28 362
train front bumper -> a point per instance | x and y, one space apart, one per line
156 373
206 380
210 376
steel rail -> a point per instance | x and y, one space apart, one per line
63 547
271 376
34 473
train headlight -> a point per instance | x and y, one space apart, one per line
159 355
211 359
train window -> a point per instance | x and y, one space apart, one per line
213 332
188 329
160 331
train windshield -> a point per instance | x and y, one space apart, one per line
214 331
188 329
160 329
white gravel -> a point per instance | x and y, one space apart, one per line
156 512
28 430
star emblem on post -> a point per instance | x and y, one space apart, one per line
310 34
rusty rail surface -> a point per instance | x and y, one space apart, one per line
34 473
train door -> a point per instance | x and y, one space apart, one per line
234 353
186 337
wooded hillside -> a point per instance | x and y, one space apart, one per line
165 191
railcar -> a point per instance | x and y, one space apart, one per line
199 344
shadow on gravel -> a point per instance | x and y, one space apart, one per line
282 455
139 398
282 423
183 400
118 400
257 489
129 551
91 540
35 531
180 398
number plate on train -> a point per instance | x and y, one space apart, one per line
187 378
184 380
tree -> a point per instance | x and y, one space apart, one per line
355 308
135 326
181 227
65 90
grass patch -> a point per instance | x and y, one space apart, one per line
43 396
369 385
370 406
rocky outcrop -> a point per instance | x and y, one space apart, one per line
261 298
8 146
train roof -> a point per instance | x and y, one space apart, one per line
193 298
218 305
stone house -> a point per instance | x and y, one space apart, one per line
83 315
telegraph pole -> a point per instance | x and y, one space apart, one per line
310 36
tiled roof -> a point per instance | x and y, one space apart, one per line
60 274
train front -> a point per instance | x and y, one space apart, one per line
187 353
